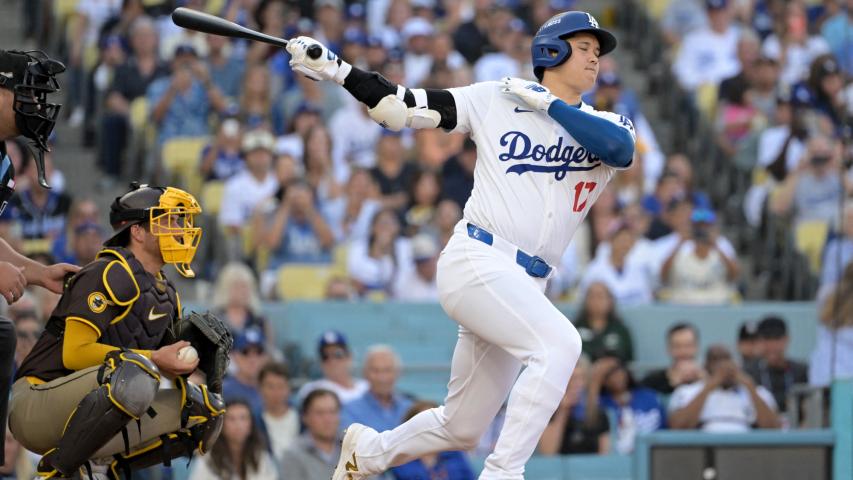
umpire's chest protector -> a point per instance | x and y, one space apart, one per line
148 317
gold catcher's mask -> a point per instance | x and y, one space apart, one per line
169 213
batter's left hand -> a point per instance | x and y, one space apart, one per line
52 277
325 67
533 94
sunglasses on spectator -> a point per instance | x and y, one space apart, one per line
336 354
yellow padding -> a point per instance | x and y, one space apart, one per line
706 99
139 113
211 196
181 157
810 238
304 281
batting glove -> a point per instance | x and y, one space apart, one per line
325 67
533 94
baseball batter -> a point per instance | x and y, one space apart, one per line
543 159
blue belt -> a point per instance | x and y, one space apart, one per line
533 265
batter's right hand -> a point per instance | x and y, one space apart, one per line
325 67
166 359
12 282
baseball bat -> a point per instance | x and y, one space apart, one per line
207 23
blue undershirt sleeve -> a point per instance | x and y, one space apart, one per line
613 143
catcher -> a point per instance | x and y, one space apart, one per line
89 390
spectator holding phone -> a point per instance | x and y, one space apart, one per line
727 401
701 269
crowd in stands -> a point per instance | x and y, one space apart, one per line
305 197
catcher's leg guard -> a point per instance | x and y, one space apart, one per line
129 382
201 409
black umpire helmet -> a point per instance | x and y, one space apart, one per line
31 77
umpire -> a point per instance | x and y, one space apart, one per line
26 79
97 366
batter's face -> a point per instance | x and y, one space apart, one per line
581 69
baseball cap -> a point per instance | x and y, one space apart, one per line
332 337
416 26
748 331
249 337
827 67
424 247
703 215
355 35
355 11
716 4
255 139
772 327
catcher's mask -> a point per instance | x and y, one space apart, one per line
169 214
31 76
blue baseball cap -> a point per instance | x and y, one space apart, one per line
330 338
249 337
703 215
716 4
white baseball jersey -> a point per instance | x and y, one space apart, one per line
533 182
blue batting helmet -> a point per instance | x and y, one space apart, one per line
550 48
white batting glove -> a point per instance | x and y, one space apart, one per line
325 67
533 94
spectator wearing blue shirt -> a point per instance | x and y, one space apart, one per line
442 465
41 212
382 407
298 233
836 32
225 66
635 410
222 158
249 356
180 103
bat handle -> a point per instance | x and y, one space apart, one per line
314 51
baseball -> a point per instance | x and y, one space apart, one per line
187 354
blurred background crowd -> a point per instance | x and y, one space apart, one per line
741 190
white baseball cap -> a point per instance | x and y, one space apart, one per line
416 26
255 139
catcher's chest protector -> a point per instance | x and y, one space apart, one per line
149 316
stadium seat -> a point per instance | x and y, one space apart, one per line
810 238
181 159
211 196
303 281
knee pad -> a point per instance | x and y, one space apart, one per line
128 383
131 381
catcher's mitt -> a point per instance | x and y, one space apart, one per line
212 339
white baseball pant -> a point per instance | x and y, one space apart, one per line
506 322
